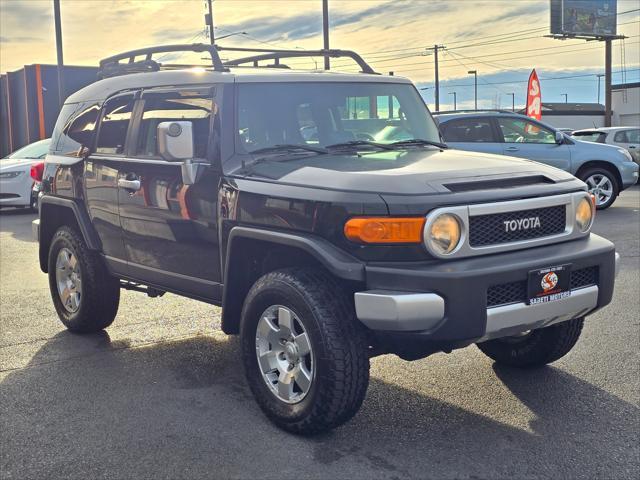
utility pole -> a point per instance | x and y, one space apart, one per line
475 86
325 31
607 82
599 75
513 101
435 49
455 105
58 25
566 97
208 20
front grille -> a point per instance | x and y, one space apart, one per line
516 292
491 230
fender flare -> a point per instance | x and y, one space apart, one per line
337 262
81 216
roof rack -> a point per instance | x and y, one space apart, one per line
126 62
276 55
112 66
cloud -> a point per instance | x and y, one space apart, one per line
28 14
22 39
528 10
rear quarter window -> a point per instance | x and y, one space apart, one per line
74 130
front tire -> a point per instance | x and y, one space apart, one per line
603 185
305 355
536 348
85 295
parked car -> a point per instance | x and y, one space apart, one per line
15 179
261 190
625 137
607 170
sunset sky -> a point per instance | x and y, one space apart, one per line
503 40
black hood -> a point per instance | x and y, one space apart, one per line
407 172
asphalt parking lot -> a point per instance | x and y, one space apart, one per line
161 394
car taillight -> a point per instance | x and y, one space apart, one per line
37 169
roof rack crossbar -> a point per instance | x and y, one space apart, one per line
112 66
276 55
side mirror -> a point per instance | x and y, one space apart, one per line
175 144
559 137
175 141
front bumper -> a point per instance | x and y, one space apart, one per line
629 173
447 301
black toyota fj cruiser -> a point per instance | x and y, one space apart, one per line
322 212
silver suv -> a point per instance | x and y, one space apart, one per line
606 169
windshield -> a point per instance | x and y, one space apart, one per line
32 151
326 114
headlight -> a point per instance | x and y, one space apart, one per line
584 214
6 175
444 234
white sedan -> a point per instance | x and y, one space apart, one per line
15 179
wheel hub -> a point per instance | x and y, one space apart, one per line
68 280
284 353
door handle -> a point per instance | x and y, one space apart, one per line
632 146
511 149
129 184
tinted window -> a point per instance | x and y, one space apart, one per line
328 113
516 130
468 130
114 125
633 136
620 137
74 129
179 106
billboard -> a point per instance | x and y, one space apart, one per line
591 18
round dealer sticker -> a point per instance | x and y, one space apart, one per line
549 281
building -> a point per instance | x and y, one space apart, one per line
29 103
572 115
625 103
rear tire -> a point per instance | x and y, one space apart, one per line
85 295
334 356
603 184
537 348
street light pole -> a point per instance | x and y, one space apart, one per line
208 18
599 75
475 86
58 26
455 105
325 31
513 101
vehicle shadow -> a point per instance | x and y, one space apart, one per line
88 407
17 221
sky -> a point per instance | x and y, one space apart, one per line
502 40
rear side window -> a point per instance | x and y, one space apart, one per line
621 137
468 130
590 136
176 106
114 125
74 130
633 136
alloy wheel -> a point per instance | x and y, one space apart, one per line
284 352
68 280
601 187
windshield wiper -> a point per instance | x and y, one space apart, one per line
418 141
360 143
289 148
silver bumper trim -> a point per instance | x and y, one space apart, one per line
617 270
399 311
511 319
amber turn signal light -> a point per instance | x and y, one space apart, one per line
385 229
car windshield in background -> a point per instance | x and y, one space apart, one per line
31 151
357 116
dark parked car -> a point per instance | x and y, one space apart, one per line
261 189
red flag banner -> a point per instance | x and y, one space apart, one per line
534 97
